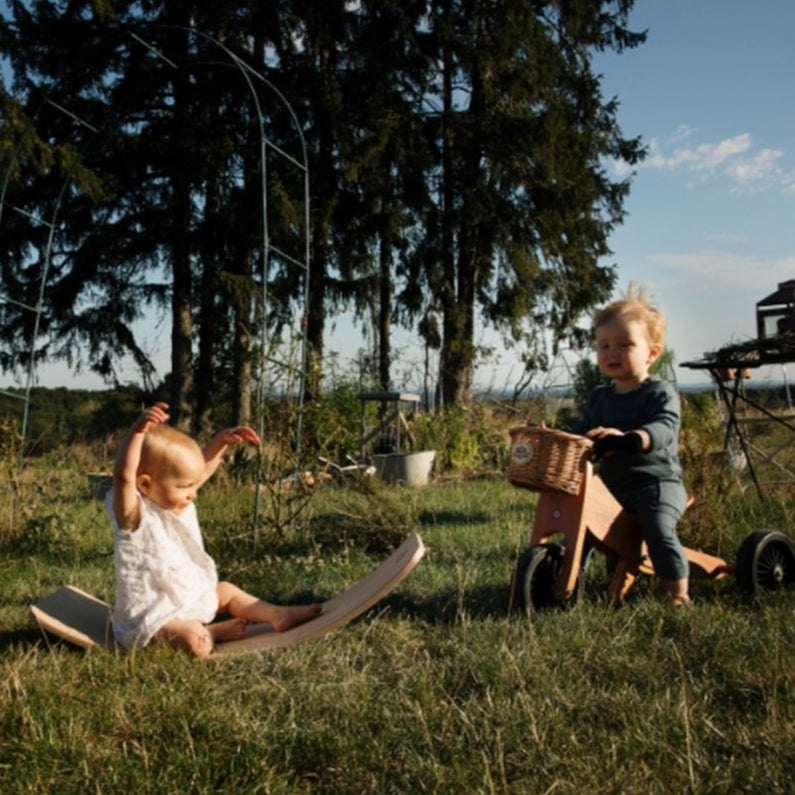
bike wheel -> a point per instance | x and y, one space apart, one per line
765 562
535 575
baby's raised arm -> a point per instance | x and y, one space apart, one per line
217 446
125 468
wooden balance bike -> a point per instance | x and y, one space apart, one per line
577 510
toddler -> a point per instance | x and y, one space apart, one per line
634 422
167 586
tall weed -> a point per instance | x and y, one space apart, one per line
10 451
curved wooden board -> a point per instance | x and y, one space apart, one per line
75 616
84 620
338 610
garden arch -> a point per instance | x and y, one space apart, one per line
258 87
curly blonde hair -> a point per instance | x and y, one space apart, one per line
635 306
165 450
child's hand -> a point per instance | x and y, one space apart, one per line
154 415
630 442
600 432
238 435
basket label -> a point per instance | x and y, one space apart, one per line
522 452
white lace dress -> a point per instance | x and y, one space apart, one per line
162 573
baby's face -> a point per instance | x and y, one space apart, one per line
177 489
624 351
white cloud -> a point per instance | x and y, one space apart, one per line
622 169
761 166
704 157
682 132
725 237
732 157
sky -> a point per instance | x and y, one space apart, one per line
710 226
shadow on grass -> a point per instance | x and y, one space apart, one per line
21 638
455 518
445 608
442 607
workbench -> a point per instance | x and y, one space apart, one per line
730 368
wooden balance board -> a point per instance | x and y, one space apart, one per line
83 620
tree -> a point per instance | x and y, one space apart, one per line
385 194
63 203
525 206
147 166
456 151
309 63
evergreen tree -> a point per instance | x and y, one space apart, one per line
385 193
61 202
160 187
524 204
455 149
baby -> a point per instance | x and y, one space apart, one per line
635 421
167 586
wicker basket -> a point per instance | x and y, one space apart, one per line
547 460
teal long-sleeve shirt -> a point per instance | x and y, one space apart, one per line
654 407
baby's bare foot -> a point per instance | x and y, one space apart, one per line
287 617
231 629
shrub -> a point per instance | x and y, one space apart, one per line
332 426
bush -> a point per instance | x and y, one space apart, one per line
64 416
467 440
332 424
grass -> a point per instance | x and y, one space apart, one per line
436 689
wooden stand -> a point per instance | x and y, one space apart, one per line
394 411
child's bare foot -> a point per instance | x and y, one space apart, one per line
231 629
676 591
289 616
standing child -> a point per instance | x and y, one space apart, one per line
635 421
167 586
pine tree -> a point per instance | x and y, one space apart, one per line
456 151
525 206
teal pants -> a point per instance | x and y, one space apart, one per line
658 508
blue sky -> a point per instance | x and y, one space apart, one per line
711 217
710 228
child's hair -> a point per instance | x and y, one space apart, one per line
635 306
164 448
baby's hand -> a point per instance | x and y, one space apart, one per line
240 434
630 442
601 432
149 417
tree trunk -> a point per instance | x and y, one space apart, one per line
181 334
457 386
181 307
208 312
182 287
451 326
241 404
385 289
241 344
315 319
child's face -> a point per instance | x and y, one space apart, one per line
624 352
177 489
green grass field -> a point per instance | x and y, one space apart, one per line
436 689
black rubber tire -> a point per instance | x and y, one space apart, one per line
534 578
765 562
